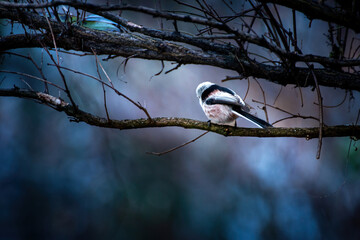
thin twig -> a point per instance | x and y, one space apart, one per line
228 78
277 96
67 90
175 148
34 77
294 27
109 86
321 114
248 89
103 87
336 105
174 68
102 68
292 115
161 70
263 93
36 66
53 37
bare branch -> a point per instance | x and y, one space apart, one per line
81 116
109 86
287 112
321 113
315 10
128 44
177 147
34 77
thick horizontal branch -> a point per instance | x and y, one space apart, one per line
128 44
113 7
195 41
101 10
122 45
81 116
323 60
315 10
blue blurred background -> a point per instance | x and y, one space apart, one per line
66 180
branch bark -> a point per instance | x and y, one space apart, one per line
141 46
78 115
195 41
314 10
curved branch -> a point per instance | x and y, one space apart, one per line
314 10
81 116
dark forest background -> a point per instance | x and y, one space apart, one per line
67 180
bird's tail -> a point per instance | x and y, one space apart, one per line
257 121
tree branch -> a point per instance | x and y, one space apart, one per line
129 44
78 115
314 10
195 41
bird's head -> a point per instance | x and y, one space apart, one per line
202 87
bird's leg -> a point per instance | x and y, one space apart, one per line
209 123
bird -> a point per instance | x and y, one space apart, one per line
223 106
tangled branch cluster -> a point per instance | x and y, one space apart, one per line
218 43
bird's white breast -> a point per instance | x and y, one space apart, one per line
218 113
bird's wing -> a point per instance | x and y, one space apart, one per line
257 121
227 100
238 109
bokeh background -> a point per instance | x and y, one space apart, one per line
66 180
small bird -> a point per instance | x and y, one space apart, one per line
223 106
